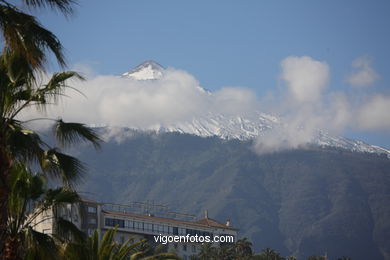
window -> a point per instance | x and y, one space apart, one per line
138 225
160 228
112 222
91 209
182 231
129 224
148 227
184 247
175 230
92 221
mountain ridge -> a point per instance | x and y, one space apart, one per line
301 202
253 125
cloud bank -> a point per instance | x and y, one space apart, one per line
119 101
304 104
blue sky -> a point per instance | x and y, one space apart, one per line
231 43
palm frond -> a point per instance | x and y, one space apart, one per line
94 244
25 184
39 245
54 89
24 143
59 196
107 244
67 167
65 6
126 249
162 256
17 68
23 34
66 229
73 133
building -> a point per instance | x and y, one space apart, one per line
140 221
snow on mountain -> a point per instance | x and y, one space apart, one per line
242 127
149 70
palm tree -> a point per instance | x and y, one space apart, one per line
268 254
291 257
207 251
107 248
20 91
23 34
243 248
314 257
28 199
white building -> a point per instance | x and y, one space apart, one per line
89 216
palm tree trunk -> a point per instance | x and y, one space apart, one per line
5 166
11 249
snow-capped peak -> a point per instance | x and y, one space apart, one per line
242 127
148 70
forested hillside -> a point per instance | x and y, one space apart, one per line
302 202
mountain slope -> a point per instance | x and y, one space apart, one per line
300 202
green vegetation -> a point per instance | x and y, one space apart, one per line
107 248
29 198
301 202
22 66
242 250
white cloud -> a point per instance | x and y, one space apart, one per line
304 105
175 97
305 77
363 74
374 114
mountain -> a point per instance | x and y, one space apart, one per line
148 70
330 197
304 202
240 126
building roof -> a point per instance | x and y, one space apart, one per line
207 222
89 201
212 223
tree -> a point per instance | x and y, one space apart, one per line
28 199
24 35
268 254
243 249
314 257
19 91
207 251
107 248
26 44
291 257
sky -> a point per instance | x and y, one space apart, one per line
277 50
